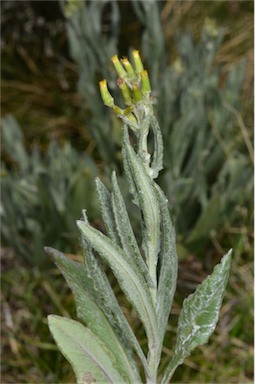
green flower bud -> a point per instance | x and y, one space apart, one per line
120 70
137 93
105 94
137 61
146 86
129 68
125 91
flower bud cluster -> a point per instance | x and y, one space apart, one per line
134 84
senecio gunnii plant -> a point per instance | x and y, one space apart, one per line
102 346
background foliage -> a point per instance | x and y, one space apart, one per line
43 195
203 77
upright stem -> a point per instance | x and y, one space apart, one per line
153 362
143 142
176 360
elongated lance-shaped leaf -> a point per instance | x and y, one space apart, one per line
130 281
107 211
126 234
89 312
149 204
143 144
107 300
157 159
168 265
199 315
90 359
132 186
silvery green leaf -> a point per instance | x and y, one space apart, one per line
157 160
90 359
168 265
199 315
126 234
90 313
107 211
149 205
128 173
107 300
142 150
208 219
131 283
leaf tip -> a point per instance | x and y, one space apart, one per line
47 249
80 223
52 319
226 259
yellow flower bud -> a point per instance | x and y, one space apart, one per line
120 70
105 94
137 61
129 68
125 91
146 86
137 93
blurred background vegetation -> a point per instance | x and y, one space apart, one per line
57 136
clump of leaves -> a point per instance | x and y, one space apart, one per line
208 171
102 346
42 194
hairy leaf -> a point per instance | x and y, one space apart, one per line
107 211
149 204
126 234
168 265
157 160
199 314
92 315
91 360
107 299
128 173
130 281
